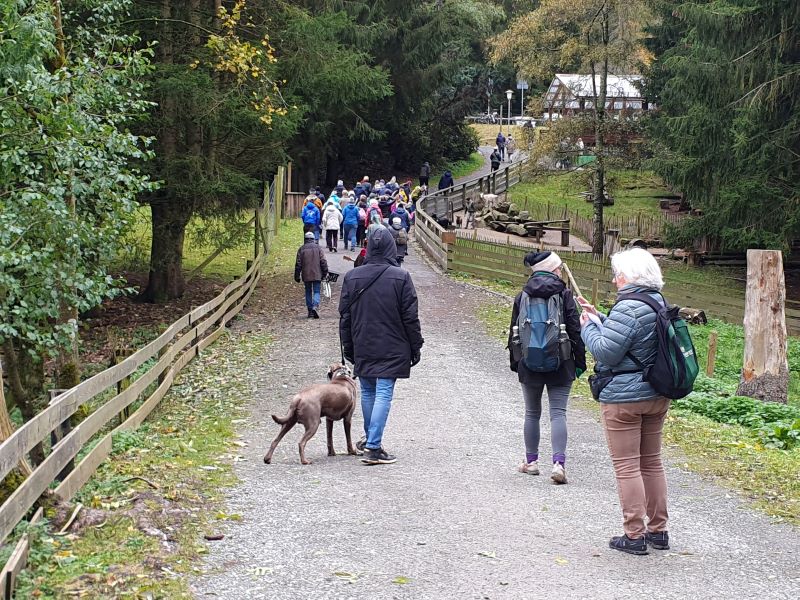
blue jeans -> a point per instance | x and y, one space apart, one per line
376 400
350 235
312 294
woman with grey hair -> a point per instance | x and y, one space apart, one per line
633 412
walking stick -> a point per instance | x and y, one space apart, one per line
571 279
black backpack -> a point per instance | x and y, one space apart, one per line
673 373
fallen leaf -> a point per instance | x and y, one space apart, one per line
561 561
487 554
400 580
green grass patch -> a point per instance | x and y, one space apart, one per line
203 237
744 444
635 192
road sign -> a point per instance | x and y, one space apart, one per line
522 84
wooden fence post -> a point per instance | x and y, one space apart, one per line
58 434
595 285
256 235
711 358
765 372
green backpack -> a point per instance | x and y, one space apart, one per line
673 373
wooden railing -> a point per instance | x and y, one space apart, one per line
489 260
128 381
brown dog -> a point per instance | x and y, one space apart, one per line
335 400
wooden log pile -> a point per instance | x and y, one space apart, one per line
506 217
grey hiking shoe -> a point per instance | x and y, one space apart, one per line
377 457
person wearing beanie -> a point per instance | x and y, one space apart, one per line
311 267
543 294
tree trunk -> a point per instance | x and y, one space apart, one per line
598 239
26 384
765 374
7 427
166 280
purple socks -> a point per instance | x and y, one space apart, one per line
559 458
531 457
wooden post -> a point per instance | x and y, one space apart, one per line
711 358
765 372
256 236
595 285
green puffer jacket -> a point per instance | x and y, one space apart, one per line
630 327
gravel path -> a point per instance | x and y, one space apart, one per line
452 518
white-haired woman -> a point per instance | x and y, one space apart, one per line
633 412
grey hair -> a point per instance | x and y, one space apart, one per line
639 267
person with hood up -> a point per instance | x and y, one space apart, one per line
400 236
381 335
401 213
350 223
331 222
545 282
425 173
312 267
446 181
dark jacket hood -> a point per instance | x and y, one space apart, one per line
544 285
381 248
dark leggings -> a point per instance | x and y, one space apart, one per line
332 238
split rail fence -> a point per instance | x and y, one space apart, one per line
147 374
488 259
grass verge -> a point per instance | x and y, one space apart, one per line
733 455
635 192
487 133
149 506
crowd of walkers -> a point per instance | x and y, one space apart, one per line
348 215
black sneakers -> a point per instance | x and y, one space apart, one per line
625 544
314 314
377 457
658 540
361 445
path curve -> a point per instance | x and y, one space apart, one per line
452 518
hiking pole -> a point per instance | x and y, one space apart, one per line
571 279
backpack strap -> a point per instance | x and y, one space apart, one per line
652 303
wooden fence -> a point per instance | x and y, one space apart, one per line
147 374
642 226
493 261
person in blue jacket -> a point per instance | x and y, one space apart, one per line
311 217
350 223
633 413
446 181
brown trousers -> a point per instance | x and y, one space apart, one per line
633 431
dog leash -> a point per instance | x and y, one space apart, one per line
359 293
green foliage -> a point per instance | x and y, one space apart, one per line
728 132
64 141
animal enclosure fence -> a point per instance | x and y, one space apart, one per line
137 384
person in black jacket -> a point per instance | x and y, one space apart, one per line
380 332
545 282
446 181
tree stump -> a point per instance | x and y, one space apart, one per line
765 373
